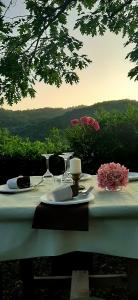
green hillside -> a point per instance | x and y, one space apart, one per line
36 124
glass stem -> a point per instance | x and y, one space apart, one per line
65 165
68 166
47 164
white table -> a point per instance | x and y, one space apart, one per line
113 225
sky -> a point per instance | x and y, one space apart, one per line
104 79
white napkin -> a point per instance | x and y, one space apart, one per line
62 193
13 183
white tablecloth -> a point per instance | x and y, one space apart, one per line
113 225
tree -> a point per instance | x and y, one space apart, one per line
38 45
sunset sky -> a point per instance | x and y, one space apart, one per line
104 79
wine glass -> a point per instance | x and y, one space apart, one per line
47 174
66 176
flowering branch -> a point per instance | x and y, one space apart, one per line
88 121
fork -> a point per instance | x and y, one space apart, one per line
37 184
86 191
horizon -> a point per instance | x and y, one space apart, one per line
69 107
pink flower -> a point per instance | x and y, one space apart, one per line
84 120
75 122
112 175
89 121
92 121
96 125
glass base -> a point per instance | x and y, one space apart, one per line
66 177
115 190
48 175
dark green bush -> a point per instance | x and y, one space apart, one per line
20 156
56 142
116 141
15 146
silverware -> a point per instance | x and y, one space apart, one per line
86 191
37 184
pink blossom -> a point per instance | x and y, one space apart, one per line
112 175
90 121
84 120
75 122
96 125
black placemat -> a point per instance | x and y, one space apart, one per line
61 217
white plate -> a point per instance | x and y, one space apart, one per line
76 200
6 190
132 176
84 176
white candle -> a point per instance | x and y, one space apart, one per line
75 165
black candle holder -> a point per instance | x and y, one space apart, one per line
76 186
76 178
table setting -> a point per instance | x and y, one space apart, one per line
66 207
94 219
19 184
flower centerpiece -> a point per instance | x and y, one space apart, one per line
112 176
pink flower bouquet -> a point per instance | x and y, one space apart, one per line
112 176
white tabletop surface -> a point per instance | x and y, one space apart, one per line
113 224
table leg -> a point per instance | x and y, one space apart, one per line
79 285
72 263
133 279
1 287
27 278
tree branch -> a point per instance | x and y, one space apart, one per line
7 9
17 17
61 8
121 7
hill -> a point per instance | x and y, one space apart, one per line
36 124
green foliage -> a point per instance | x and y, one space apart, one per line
56 142
38 45
116 141
15 146
82 140
36 124
133 55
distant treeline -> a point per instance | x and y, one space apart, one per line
36 124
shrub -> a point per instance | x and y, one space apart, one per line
56 142
116 141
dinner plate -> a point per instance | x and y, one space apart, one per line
76 200
6 190
133 176
83 177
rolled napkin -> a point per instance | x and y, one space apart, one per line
19 182
61 217
63 193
